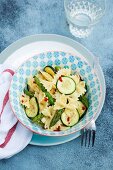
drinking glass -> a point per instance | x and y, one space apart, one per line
82 15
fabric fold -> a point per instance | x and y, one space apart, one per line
10 128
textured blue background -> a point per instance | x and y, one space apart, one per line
20 18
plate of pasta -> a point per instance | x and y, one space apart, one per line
55 93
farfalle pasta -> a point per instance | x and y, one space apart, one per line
55 99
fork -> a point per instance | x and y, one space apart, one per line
88 134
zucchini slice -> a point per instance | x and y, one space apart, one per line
81 109
47 76
34 108
70 118
50 70
28 87
66 85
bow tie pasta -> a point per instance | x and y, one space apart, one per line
55 99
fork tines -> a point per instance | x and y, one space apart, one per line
87 137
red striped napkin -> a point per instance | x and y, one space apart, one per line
10 128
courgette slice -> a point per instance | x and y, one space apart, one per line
70 118
34 108
46 75
28 87
66 85
81 109
50 70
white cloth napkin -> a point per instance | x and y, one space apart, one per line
14 137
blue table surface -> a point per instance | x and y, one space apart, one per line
19 18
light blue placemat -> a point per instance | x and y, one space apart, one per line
20 18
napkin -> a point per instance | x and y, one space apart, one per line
14 137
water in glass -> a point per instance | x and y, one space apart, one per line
82 15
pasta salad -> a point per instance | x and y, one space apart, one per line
54 98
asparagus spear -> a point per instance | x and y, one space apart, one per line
37 119
40 85
28 93
84 100
56 117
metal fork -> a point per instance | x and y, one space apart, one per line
88 134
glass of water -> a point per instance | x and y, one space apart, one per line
82 15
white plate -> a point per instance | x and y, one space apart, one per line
26 47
